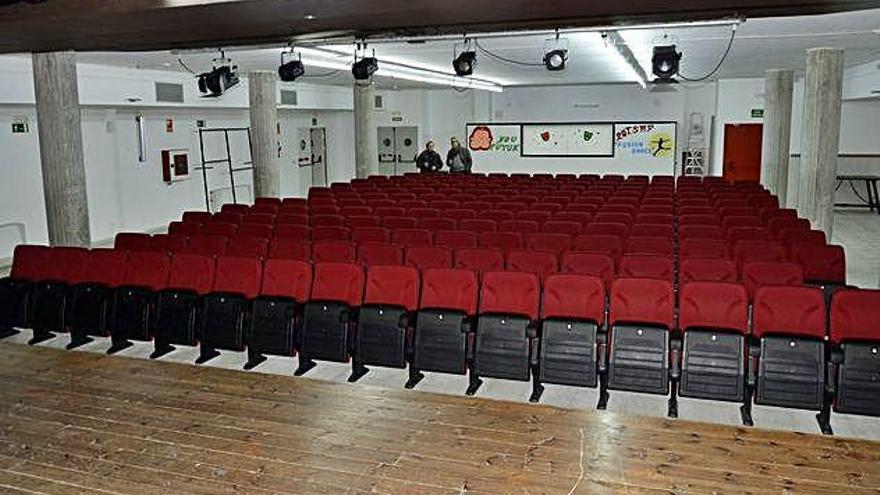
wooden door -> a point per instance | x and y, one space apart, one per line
742 152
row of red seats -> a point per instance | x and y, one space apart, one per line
515 326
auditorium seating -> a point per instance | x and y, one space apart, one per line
507 278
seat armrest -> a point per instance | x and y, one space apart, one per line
602 349
675 345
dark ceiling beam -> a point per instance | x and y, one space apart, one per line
136 25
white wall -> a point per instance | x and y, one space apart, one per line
125 194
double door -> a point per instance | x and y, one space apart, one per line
398 148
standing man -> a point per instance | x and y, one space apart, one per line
459 158
429 160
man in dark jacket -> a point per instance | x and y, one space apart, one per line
429 160
459 158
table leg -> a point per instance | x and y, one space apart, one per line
870 190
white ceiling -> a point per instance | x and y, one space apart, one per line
760 44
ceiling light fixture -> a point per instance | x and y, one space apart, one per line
465 62
289 71
223 76
626 57
555 60
665 63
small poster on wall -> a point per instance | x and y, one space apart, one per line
494 140
568 140
649 141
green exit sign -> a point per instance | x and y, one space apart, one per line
757 113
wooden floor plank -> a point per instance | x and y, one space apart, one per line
136 426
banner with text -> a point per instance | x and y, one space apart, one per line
652 143
496 141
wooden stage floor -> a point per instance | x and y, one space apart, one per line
82 423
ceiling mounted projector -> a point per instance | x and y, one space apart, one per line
465 63
364 68
289 71
555 60
664 63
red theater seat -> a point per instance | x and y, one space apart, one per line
290 249
854 329
823 264
789 371
134 303
572 310
236 284
641 315
391 295
760 273
412 237
506 337
330 233
424 257
707 270
380 254
333 251
551 243
647 266
539 263
455 239
191 277
328 317
480 260
248 247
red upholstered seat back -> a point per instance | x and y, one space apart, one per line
515 293
452 289
192 272
855 315
423 257
149 270
392 285
478 259
338 282
238 276
722 305
789 310
642 300
568 295
287 278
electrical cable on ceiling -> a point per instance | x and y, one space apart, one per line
180 61
503 59
720 62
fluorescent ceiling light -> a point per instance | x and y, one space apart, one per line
626 58
335 60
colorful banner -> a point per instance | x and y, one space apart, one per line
648 141
563 140
491 139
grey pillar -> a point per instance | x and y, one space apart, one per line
820 134
61 149
264 136
366 148
775 152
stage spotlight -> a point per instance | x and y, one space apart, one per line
664 63
464 63
289 71
364 68
224 76
555 59
216 82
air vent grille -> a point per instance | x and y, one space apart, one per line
169 92
288 97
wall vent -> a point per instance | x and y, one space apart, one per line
288 97
169 92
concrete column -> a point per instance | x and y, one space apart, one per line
264 134
366 148
820 134
775 152
61 149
